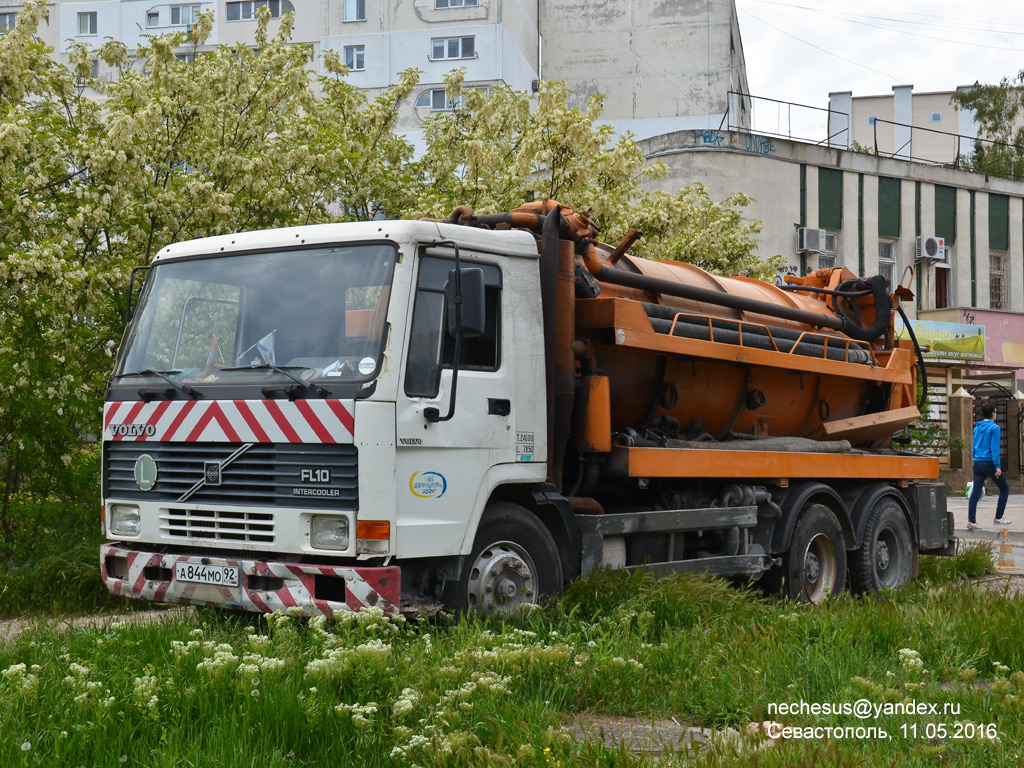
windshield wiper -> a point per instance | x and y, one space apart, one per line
163 375
308 385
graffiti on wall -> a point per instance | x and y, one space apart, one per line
708 138
760 145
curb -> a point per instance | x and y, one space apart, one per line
989 533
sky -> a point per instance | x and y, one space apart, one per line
800 50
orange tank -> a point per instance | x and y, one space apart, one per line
758 384
667 345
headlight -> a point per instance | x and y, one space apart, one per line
125 520
329 532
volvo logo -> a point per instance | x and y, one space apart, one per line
132 430
145 472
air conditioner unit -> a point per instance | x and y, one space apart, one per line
930 248
810 240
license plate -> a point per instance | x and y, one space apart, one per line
219 575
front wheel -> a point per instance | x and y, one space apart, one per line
815 566
885 559
514 563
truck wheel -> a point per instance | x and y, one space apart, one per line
815 566
886 555
514 562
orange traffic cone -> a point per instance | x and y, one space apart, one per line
1006 554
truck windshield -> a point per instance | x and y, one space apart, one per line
318 314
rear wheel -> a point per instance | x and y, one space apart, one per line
514 562
815 566
885 559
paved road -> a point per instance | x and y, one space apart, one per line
990 531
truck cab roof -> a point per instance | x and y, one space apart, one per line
509 243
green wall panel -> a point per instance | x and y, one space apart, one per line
830 198
889 201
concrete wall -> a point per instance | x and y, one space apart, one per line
631 51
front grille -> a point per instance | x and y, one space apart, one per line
266 474
218 524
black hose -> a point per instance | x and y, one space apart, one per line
666 312
828 291
920 359
883 308
761 341
817 319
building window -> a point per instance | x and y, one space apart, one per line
245 11
453 48
997 280
826 261
873 119
153 19
183 15
437 100
355 10
87 23
355 57
941 279
7 21
887 261
454 3
935 117
185 56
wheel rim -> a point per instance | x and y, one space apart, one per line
502 580
888 558
819 568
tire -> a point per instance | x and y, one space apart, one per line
514 562
885 559
815 565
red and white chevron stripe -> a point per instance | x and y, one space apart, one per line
364 585
230 421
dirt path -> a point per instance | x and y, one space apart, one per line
11 629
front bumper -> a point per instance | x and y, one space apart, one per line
266 587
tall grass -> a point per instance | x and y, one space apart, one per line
49 563
221 689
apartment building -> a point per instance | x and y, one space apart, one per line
662 65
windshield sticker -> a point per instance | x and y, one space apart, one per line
428 485
367 365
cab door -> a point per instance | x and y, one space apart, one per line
441 464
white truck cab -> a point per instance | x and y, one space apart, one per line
280 431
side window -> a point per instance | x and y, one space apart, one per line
431 348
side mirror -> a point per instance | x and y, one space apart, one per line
473 302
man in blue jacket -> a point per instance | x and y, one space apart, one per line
986 464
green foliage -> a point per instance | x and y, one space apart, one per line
997 109
48 559
621 649
500 148
973 561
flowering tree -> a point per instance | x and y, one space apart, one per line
233 139
495 150
245 138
